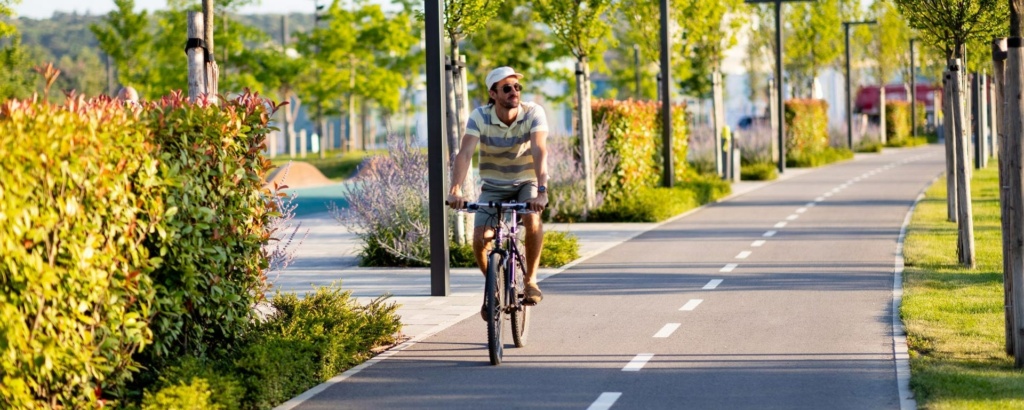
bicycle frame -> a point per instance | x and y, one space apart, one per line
506 244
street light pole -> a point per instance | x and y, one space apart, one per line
849 96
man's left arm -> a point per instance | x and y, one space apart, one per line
539 150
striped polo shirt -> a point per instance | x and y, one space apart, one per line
505 157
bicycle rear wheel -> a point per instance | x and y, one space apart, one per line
493 291
520 314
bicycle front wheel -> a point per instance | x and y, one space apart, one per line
520 313
493 291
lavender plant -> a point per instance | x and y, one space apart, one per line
755 145
388 207
568 193
282 231
702 148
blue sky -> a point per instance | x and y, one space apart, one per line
45 8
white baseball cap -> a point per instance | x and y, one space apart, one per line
499 74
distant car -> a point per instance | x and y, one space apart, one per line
748 122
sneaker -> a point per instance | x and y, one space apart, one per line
533 294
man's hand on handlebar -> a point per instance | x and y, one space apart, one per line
456 202
537 204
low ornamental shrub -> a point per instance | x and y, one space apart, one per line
560 248
647 204
567 193
761 171
706 188
897 120
806 127
818 158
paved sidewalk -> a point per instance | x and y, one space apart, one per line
328 254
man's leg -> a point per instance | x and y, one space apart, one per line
534 244
482 239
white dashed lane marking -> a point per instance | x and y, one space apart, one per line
757 243
743 255
604 401
638 362
728 267
713 283
667 330
769 234
792 217
780 225
692 304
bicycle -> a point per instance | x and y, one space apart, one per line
504 293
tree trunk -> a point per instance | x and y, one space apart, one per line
1007 204
965 225
1012 153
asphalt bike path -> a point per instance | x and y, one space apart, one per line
778 298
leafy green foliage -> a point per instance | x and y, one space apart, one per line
560 248
195 395
125 38
646 204
827 155
890 42
75 278
817 39
806 127
951 25
759 171
897 120
6 29
633 137
211 240
578 25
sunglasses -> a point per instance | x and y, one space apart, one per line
508 88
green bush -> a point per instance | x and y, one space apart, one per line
461 256
560 248
212 243
216 374
634 136
647 205
818 158
706 188
79 192
908 142
761 171
195 395
806 127
897 120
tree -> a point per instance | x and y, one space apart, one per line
709 29
951 25
891 43
6 10
817 39
581 27
126 39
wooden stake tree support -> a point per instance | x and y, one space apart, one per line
1006 202
202 70
1012 123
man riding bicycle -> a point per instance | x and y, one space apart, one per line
513 166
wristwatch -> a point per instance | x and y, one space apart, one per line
542 189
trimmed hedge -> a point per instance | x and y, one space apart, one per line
126 229
806 127
634 130
79 193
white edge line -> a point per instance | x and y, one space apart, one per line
605 401
901 352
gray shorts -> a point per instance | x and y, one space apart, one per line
522 193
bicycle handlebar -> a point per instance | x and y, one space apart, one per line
519 207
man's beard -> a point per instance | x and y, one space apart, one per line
508 104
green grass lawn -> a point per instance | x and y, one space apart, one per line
336 165
954 317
